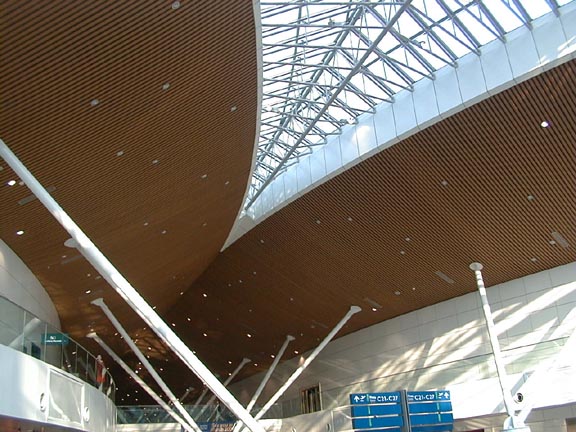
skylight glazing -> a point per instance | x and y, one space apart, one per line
327 62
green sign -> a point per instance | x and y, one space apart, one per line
55 339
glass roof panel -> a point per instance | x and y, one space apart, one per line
326 62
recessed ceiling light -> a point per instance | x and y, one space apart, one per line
552 242
239 280
560 239
88 274
154 307
120 153
444 183
413 288
397 293
173 325
531 197
204 176
544 124
11 183
262 241
181 292
254 273
402 253
155 161
296 352
350 219
145 223
408 239
205 224
176 5
165 86
19 232
318 221
94 102
444 277
189 319
533 259
229 361
374 309
256 364
272 356
204 334
249 335
164 231
227 182
204 295
233 108
88 291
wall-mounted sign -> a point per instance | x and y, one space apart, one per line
402 411
55 339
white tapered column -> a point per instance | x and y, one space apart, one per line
512 421
140 381
353 310
105 268
100 303
269 373
228 381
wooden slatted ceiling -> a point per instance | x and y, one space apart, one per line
491 157
165 80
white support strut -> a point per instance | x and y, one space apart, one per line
260 388
140 381
228 380
100 303
353 310
107 270
512 422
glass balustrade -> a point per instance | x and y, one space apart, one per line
24 332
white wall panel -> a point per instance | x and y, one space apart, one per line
496 67
471 79
447 91
278 190
522 53
349 145
304 176
385 126
404 114
549 39
333 156
317 165
19 285
366 134
425 104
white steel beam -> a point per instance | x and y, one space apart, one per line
512 422
353 310
228 381
107 270
260 388
140 381
100 303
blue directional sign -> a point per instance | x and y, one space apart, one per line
55 338
377 412
430 411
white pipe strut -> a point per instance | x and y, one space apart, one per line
498 360
260 388
100 303
353 310
127 291
228 380
140 381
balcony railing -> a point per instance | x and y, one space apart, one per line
25 332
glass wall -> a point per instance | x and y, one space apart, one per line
24 332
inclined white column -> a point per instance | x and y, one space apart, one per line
100 303
107 270
512 422
140 381
260 388
353 310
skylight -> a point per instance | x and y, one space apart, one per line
327 62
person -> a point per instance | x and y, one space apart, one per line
100 372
